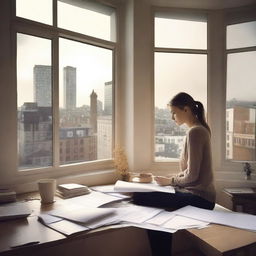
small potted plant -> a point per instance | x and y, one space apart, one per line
247 170
121 164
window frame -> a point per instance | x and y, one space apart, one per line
199 14
53 33
233 16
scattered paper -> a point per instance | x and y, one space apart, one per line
83 214
94 199
161 218
60 225
123 186
180 222
137 214
233 219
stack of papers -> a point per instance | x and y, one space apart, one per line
75 219
63 226
14 211
72 190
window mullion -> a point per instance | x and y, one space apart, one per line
55 101
54 13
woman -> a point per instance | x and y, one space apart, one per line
194 183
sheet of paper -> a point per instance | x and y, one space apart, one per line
152 227
181 222
161 218
137 214
233 219
48 219
123 186
109 189
65 227
83 215
94 199
104 188
14 211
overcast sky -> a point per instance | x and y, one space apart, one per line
173 72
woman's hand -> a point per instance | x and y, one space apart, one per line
163 180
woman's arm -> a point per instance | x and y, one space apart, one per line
195 144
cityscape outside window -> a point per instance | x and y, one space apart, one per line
180 65
241 99
85 85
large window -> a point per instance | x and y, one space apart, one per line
64 85
34 90
241 96
180 66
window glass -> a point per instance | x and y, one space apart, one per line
241 35
87 18
174 73
241 106
36 10
85 75
176 33
34 95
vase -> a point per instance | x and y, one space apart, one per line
125 177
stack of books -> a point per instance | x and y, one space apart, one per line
7 196
71 190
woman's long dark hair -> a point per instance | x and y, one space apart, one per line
183 99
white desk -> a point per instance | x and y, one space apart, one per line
214 240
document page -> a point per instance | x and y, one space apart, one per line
123 186
94 199
233 219
83 215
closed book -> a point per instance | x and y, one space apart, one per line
71 194
72 187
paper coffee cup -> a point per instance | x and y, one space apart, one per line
47 188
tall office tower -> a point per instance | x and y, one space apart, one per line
104 137
93 111
69 87
43 85
108 98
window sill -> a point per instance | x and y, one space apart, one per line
90 178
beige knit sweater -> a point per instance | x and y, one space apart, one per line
196 174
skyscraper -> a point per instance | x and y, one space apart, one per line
69 87
43 85
93 111
108 98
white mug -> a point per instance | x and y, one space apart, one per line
47 189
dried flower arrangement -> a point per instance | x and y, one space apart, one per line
120 162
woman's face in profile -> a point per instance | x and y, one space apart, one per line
178 115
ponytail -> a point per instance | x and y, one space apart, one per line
200 113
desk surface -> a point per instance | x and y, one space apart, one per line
221 238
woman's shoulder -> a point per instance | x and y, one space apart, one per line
199 131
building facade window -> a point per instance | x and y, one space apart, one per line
65 81
240 83
180 65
